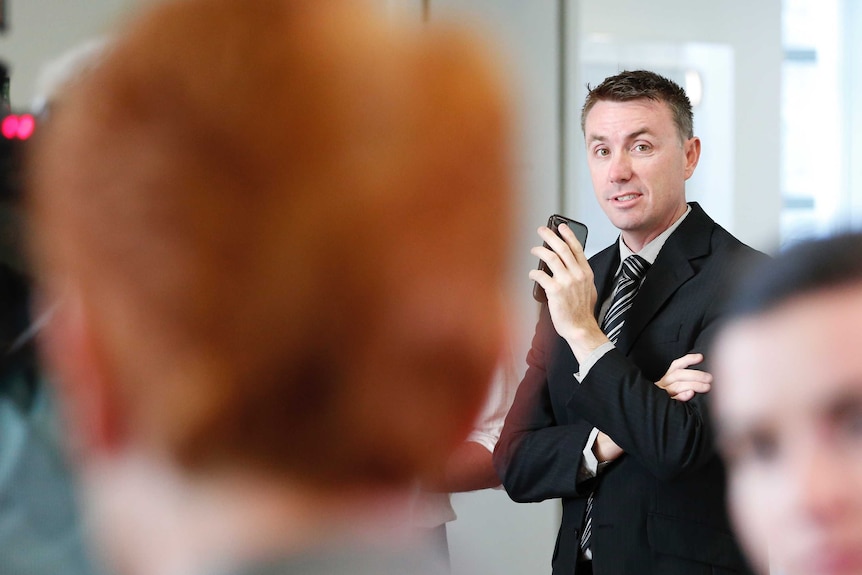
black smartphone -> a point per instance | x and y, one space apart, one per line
554 223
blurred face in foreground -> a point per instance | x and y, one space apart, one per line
788 399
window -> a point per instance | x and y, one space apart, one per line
815 140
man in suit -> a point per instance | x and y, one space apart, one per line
788 409
623 426
249 220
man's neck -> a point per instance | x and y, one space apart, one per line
649 250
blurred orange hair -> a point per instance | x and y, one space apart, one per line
289 223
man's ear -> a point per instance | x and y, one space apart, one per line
692 155
78 373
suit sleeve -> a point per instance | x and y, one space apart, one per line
538 456
668 437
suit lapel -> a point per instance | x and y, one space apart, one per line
671 270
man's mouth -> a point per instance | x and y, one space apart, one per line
625 197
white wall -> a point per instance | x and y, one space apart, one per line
753 31
41 30
853 109
493 534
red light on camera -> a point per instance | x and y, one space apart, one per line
18 126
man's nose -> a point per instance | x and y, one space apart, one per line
620 168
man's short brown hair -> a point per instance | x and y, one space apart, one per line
642 84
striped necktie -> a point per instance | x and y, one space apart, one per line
628 281
627 284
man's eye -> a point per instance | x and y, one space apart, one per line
602 152
642 148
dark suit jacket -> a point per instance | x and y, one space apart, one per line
659 508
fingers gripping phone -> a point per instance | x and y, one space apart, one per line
554 222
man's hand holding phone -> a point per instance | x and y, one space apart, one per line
569 288
554 223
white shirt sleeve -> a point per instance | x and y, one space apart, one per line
501 393
590 464
592 359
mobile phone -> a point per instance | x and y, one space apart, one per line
554 222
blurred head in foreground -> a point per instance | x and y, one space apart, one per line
276 231
788 401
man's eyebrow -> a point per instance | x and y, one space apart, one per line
730 427
631 136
